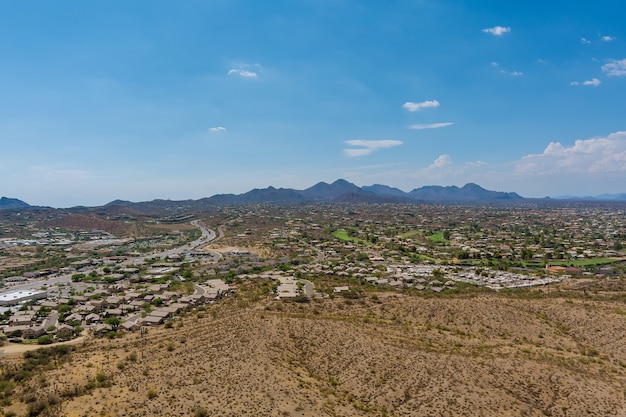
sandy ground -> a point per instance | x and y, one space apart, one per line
224 249
480 355
16 349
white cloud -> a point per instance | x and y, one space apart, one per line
593 82
413 106
615 68
441 161
585 41
355 153
445 170
243 73
503 71
497 30
477 164
596 155
430 126
607 38
246 70
217 129
365 147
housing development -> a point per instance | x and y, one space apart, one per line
119 275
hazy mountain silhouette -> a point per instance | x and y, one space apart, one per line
340 191
12 204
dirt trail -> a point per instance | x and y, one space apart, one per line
13 349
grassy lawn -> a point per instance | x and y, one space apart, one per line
342 235
427 258
408 235
585 262
438 238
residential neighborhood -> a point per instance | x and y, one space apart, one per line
61 283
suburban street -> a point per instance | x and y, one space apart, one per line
207 236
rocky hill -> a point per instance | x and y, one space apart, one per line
382 355
12 204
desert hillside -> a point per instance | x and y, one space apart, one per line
384 354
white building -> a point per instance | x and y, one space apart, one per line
16 297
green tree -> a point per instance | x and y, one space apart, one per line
46 339
526 254
114 322
78 277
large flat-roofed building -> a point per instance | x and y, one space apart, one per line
16 297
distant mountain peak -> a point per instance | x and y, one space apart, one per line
118 203
469 192
472 186
12 204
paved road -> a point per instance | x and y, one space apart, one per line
309 288
51 320
207 236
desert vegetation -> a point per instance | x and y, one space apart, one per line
526 352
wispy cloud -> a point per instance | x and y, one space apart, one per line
413 106
503 71
606 38
592 82
604 154
430 125
362 147
585 41
615 68
246 70
445 169
242 73
497 30
440 162
217 129
477 164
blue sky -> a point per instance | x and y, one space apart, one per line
177 100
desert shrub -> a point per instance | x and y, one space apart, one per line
35 408
200 412
352 294
6 388
301 299
152 393
46 339
103 380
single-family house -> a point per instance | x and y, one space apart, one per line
65 332
130 326
33 332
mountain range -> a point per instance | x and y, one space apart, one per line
344 191
601 197
340 191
